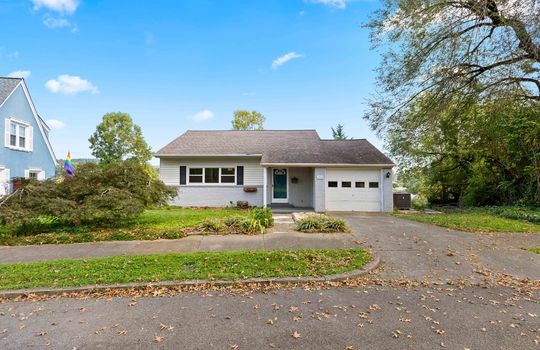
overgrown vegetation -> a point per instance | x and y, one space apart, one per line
178 267
257 221
321 223
163 223
484 219
536 250
97 195
459 101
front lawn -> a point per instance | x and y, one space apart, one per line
166 223
489 219
180 267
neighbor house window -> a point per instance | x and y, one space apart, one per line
33 175
332 183
22 136
359 184
19 135
345 184
373 185
13 135
212 175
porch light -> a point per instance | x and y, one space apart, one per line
388 175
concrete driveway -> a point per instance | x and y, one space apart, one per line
419 251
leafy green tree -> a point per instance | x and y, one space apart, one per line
118 138
245 120
472 153
338 133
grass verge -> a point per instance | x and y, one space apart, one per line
179 267
473 220
166 223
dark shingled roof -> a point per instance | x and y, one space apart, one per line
275 147
7 85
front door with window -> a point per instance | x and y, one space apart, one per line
279 186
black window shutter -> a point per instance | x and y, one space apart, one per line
240 175
182 175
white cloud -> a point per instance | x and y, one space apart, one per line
60 6
55 124
203 115
20 74
284 59
70 85
52 22
340 4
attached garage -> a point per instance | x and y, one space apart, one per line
353 189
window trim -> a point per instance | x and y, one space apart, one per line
204 183
28 139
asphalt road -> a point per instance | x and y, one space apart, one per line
371 317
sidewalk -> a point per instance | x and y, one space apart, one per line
281 236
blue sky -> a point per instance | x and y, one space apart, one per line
178 65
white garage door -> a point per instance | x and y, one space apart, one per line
353 189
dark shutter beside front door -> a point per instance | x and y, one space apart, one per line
239 175
183 175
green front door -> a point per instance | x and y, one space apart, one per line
279 180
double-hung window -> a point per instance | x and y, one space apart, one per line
212 175
18 135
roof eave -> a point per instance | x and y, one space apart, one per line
330 165
160 155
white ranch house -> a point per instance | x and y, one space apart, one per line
293 168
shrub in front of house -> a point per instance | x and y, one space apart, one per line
97 194
257 221
321 223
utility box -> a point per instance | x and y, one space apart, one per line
402 201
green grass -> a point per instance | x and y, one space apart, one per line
487 219
166 223
536 250
179 267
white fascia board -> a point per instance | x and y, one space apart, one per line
328 165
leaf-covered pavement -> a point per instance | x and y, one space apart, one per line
367 313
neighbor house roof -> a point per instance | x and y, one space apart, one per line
7 85
275 147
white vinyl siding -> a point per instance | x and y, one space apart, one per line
169 168
346 196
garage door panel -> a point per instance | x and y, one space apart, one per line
352 198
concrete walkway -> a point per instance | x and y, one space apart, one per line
281 236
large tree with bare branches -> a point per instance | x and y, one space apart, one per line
445 47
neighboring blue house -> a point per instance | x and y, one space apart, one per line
26 151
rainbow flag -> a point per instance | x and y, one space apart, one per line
68 166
